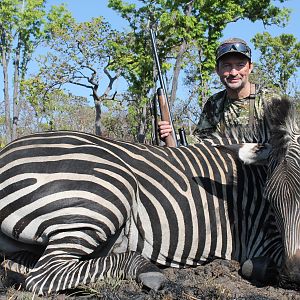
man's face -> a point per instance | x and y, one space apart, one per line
233 70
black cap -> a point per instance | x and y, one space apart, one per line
233 45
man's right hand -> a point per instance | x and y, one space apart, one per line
164 129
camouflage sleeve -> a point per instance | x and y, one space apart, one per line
205 125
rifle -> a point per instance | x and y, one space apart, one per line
182 137
171 140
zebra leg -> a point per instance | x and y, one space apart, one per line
61 268
20 262
261 269
16 266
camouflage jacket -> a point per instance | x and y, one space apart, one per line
220 112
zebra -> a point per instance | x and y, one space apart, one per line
282 188
77 207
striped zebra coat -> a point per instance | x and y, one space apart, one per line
75 207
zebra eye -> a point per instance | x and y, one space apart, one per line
298 139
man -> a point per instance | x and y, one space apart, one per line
240 103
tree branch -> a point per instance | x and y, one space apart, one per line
81 84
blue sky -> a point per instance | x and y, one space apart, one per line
83 10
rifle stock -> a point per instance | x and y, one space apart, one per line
170 140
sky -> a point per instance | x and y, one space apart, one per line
84 10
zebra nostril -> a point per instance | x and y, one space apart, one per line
297 254
261 269
294 261
291 271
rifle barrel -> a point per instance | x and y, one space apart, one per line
171 140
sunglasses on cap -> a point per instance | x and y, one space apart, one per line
233 47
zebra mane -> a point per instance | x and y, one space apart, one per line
281 116
280 112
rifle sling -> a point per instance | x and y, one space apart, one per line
252 104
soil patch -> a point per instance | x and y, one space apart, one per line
217 280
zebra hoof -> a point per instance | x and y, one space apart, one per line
260 269
152 280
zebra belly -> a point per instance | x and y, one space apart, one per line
178 244
9 246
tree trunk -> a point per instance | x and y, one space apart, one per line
98 124
142 127
97 98
179 58
176 73
16 90
6 95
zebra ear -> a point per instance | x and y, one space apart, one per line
249 153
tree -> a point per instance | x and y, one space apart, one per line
23 26
115 120
136 63
188 33
81 54
52 110
93 56
278 62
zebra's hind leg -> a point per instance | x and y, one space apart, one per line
62 267
20 262
15 267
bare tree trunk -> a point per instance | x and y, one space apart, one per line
176 73
98 124
98 99
97 102
16 90
142 127
179 59
6 96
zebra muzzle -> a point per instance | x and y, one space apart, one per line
260 269
290 273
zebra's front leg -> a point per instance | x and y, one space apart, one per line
63 268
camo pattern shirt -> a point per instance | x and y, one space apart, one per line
221 113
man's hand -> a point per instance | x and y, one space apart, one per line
164 129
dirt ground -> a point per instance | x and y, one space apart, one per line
216 280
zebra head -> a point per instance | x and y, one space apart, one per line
283 184
281 155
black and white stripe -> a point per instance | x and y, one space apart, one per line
283 185
93 207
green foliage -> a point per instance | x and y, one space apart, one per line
23 26
279 60
30 22
79 45
82 54
188 32
115 122
87 54
53 110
